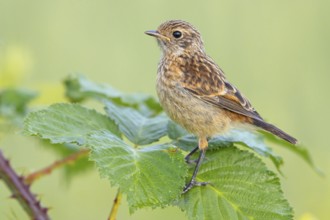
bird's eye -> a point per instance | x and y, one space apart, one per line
177 34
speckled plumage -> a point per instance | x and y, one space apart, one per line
194 91
194 114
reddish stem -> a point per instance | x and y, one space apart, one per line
57 164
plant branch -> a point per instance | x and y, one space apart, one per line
21 191
57 164
115 206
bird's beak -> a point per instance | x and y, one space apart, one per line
156 34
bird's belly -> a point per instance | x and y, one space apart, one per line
195 115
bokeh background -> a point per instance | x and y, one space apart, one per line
276 52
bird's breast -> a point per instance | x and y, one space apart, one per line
195 115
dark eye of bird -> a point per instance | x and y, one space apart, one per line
177 34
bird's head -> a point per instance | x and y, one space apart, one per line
177 37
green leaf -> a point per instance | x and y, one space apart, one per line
67 123
175 131
254 141
180 137
240 187
147 105
139 129
151 176
13 103
297 149
79 88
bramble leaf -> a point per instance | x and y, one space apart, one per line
299 150
175 131
150 177
240 187
79 88
251 140
139 129
67 123
13 103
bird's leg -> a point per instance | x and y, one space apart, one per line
193 181
187 158
202 146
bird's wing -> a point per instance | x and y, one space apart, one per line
209 84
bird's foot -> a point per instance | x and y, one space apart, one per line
187 158
193 183
189 161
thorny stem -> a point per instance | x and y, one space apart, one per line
115 206
57 164
21 191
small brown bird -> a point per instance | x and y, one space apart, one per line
195 93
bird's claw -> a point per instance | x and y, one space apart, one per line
193 183
188 161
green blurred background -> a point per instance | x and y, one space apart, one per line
276 52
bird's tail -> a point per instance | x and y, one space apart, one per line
274 130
